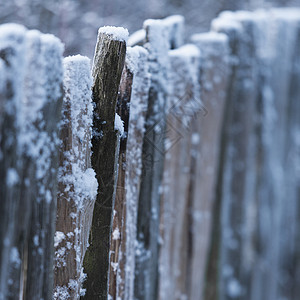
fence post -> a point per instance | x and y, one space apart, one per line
77 185
157 43
107 69
43 150
12 61
276 253
129 177
214 71
119 216
183 106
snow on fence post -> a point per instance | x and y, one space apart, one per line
116 275
236 195
258 226
184 105
77 185
175 28
157 43
214 71
134 84
12 60
277 187
42 147
107 69
136 131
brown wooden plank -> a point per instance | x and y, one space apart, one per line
77 184
214 71
153 152
107 69
183 106
43 180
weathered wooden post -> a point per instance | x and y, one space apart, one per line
237 160
257 226
157 43
12 65
43 151
134 88
207 130
184 105
77 185
276 250
107 69
161 35
119 216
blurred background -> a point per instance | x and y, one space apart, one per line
76 22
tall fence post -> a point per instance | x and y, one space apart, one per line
107 69
43 150
77 185
214 71
184 105
132 108
12 60
119 216
157 43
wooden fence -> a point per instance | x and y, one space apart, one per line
169 171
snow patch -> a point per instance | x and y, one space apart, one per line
116 33
119 124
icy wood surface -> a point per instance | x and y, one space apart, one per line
30 107
258 222
107 69
184 105
116 272
12 60
77 185
137 38
136 62
153 148
175 28
206 137
42 146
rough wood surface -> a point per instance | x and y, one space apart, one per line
146 278
184 105
116 273
12 60
213 83
107 69
43 182
74 204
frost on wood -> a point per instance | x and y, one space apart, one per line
31 101
42 148
132 105
77 183
137 38
116 273
256 155
214 72
12 60
175 28
115 33
107 69
184 105
153 147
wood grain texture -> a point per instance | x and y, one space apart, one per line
43 183
214 71
74 207
107 69
116 263
146 278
